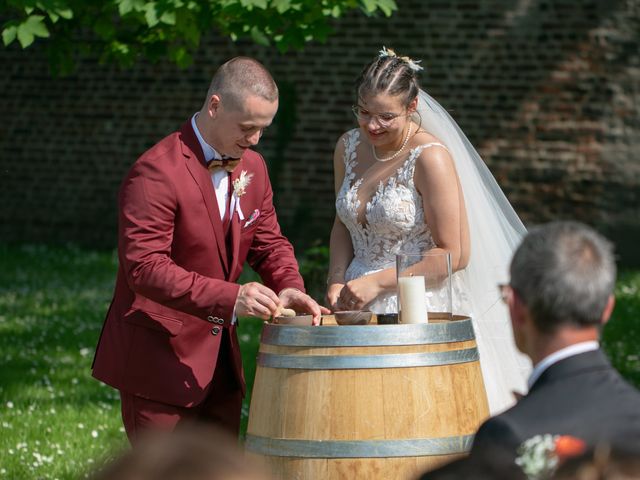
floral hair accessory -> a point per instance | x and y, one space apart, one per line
539 456
413 64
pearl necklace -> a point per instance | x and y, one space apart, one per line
404 144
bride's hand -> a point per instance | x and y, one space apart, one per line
358 293
333 292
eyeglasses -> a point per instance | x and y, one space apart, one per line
384 119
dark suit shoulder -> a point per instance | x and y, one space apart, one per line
498 433
582 396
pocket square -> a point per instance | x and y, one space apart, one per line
252 218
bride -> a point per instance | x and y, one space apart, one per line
408 181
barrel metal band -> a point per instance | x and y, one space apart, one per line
421 447
351 362
368 335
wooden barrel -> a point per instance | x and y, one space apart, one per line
372 401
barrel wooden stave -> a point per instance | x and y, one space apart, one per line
369 404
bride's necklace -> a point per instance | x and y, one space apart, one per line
397 152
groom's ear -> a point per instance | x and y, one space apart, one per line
213 105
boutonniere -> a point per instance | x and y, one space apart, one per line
241 183
539 456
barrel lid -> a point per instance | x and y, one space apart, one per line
458 330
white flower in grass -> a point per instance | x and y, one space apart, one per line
85 351
9 404
94 433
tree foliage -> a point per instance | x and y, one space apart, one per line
122 31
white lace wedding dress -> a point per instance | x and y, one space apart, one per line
394 223
391 222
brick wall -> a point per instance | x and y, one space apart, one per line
548 91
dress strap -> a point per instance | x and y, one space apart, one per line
431 144
351 141
405 172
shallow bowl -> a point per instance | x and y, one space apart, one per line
299 320
352 317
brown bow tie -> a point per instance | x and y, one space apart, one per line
227 163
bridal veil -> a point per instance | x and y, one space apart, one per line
495 231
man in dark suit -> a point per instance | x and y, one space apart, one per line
560 295
193 208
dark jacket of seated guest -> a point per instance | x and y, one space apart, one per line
582 396
560 296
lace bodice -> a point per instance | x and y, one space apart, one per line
394 216
391 222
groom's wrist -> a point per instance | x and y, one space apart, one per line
289 288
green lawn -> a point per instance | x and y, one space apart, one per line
56 421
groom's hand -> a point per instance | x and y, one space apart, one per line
301 302
256 300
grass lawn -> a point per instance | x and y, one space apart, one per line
56 421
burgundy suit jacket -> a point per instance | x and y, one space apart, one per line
175 289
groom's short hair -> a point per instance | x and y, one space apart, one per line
564 272
240 77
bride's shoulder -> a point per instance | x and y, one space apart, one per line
350 135
422 137
348 139
433 154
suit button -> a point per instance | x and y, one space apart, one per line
211 319
215 330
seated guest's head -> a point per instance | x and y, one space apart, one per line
190 453
561 290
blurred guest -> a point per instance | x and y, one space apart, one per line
188 453
601 463
492 465
560 295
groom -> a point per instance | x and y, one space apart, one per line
193 208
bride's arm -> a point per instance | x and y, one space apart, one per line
340 246
437 182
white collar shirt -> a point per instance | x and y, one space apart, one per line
558 355
219 177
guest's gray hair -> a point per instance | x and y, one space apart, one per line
240 77
564 273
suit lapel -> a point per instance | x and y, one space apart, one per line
235 227
196 165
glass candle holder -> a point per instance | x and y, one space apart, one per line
424 286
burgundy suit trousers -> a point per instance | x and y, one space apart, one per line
221 406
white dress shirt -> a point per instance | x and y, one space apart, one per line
558 355
219 177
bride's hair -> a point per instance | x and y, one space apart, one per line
391 74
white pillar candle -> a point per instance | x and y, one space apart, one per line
413 303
